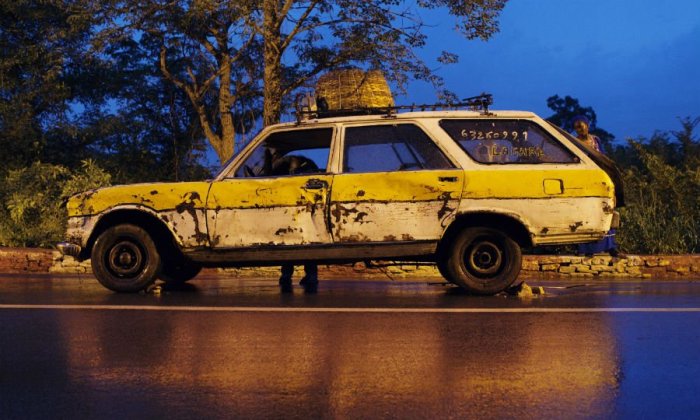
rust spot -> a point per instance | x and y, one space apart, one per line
360 217
141 199
341 214
575 226
407 237
282 231
389 238
361 193
544 231
354 238
188 206
445 209
607 208
84 198
154 192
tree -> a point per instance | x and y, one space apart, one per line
39 45
567 108
304 38
62 103
205 48
228 56
138 125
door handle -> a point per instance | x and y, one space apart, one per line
447 179
315 184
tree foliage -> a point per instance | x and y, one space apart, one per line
62 103
39 44
236 60
34 197
662 185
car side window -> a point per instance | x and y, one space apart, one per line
507 141
388 148
291 152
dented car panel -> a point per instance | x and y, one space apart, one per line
549 221
396 206
179 205
79 229
269 211
556 206
156 196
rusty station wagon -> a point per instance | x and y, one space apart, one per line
466 189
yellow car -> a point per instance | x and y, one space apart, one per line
466 189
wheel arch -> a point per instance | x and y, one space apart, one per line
507 223
147 219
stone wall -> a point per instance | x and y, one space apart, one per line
633 266
21 260
535 267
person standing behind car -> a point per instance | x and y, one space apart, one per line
582 125
276 164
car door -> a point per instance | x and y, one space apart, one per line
253 207
396 185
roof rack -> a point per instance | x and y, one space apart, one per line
306 108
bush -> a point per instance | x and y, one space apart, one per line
33 211
662 193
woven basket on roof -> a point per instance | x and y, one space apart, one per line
354 88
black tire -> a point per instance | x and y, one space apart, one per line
125 259
483 261
179 271
442 267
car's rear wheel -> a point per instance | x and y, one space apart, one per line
483 261
125 258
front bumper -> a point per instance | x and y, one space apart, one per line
67 248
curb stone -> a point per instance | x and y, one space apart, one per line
534 267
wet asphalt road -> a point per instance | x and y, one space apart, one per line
231 348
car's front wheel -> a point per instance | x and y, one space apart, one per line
179 271
483 261
125 258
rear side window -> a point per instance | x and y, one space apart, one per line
387 148
507 141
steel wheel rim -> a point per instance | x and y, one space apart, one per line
125 259
485 258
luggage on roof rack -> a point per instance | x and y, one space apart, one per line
308 107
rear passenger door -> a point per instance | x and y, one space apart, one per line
395 185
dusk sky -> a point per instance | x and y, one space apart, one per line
636 62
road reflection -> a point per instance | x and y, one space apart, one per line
346 365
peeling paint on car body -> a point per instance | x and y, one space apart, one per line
393 205
179 205
362 214
268 211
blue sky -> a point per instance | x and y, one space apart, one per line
636 62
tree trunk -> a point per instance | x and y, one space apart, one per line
228 131
272 76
